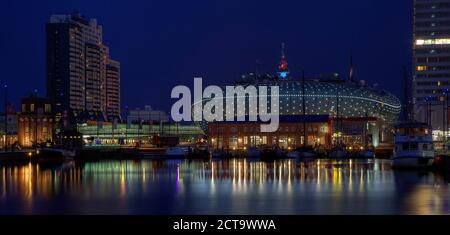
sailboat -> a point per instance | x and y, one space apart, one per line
338 151
304 151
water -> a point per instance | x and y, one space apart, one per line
221 187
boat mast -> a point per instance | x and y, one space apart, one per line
305 137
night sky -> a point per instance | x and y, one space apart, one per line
161 44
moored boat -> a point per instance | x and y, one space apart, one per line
254 152
175 152
302 153
413 145
217 153
54 154
337 153
366 154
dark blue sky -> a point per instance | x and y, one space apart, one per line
161 44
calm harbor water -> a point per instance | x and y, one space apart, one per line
221 187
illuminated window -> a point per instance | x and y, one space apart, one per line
436 41
48 108
421 68
24 107
32 108
264 140
439 83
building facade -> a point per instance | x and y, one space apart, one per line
322 131
77 62
147 115
243 135
11 127
431 63
112 90
36 121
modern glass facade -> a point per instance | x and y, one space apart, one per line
431 63
133 133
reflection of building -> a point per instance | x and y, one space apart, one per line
147 115
431 80
35 112
77 69
11 126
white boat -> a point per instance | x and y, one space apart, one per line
253 152
337 153
176 152
413 145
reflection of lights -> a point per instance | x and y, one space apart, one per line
346 179
122 180
143 174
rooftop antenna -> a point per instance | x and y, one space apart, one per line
283 72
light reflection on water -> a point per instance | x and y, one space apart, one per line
236 186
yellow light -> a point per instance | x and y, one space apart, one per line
435 41
37 151
30 154
421 68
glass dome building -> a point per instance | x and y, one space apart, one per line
354 103
332 97
355 111
342 99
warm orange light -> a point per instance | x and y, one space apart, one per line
421 68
